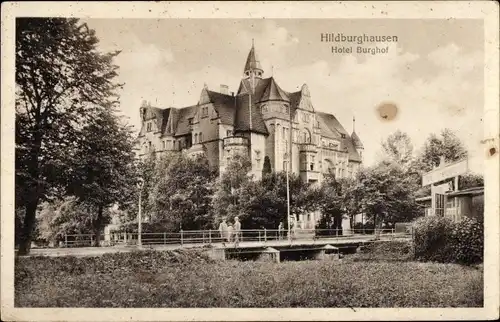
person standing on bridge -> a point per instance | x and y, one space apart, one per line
280 230
237 231
223 230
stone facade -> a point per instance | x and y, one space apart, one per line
256 121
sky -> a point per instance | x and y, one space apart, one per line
433 73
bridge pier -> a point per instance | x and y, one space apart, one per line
217 254
270 254
327 252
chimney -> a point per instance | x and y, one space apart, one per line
224 89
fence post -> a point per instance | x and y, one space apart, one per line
265 235
182 238
259 236
65 240
91 240
210 236
164 238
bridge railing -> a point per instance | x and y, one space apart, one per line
207 237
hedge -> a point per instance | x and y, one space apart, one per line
441 240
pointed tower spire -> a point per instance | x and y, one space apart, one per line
353 124
252 66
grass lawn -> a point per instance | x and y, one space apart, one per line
189 279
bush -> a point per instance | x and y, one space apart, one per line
384 251
468 241
441 240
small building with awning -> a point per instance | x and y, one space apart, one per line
446 199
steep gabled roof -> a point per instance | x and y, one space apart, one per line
356 140
182 126
224 105
274 92
334 127
242 122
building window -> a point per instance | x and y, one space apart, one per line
229 133
284 132
164 145
264 109
201 137
204 111
287 109
149 127
195 138
312 163
342 135
190 120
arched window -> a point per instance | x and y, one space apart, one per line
329 166
307 136
195 139
201 137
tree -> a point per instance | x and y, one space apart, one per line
266 169
470 180
67 216
60 77
228 192
332 204
182 198
103 170
398 148
447 145
388 194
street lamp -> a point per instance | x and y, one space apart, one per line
288 195
140 184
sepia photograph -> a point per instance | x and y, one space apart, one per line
155 160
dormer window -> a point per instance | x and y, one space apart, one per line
149 127
264 109
204 111
342 135
190 120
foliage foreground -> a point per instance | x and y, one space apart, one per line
190 279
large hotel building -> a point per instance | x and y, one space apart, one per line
259 120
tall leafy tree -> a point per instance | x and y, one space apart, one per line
60 77
228 192
446 145
183 197
103 170
388 195
266 169
398 148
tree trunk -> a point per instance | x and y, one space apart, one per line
34 195
28 227
97 227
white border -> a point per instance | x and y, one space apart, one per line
487 10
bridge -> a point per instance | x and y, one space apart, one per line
250 241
